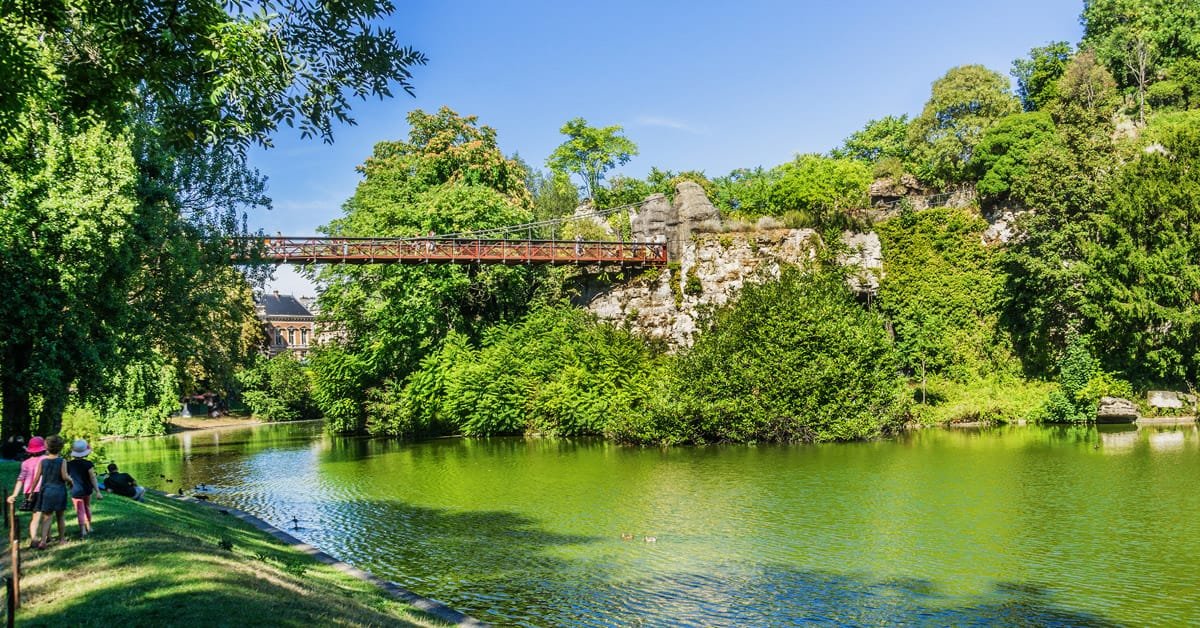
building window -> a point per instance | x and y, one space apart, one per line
278 337
304 337
291 337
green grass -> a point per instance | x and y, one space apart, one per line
991 399
161 563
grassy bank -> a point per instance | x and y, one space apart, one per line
162 563
992 399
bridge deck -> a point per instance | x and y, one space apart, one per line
455 251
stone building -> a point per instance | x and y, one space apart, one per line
288 323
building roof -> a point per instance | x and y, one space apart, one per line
282 305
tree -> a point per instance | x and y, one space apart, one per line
822 189
1037 74
879 139
123 172
746 191
963 104
1002 157
590 152
940 290
793 360
449 176
1142 295
1135 38
215 72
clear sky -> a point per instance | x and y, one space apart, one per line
698 85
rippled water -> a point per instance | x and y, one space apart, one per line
1033 526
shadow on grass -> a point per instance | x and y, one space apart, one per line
161 563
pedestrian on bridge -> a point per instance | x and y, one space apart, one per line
578 244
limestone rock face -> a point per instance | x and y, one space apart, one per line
865 255
652 218
1169 399
711 269
692 210
1116 410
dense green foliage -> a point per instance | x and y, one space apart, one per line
962 106
590 152
941 291
1037 76
123 176
278 389
821 189
555 372
794 360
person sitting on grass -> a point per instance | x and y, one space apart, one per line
123 484
52 474
83 484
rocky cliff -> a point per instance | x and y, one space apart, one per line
710 269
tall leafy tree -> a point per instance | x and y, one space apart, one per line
879 139
591 152
1037 74
1067 182
448 176
962 105
1142 296
123 169
1002 157
1136 38
824 190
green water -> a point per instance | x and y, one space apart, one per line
1032 526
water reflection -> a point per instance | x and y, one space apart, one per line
1014 526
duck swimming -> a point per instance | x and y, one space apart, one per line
652 539
625 536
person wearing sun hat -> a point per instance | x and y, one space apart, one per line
83 484
32 494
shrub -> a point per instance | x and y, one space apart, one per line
793 360
278 389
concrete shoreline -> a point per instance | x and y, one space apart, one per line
430 606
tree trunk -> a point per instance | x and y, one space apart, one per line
14 396
922 381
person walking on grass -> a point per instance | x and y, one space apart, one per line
36 448
52 474
83 485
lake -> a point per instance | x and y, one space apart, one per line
1020 525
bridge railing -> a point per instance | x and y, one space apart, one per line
450 250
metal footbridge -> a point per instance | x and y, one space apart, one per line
531 243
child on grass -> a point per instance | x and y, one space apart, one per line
37 447
51 472
83 484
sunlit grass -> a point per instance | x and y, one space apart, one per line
161 563
991 399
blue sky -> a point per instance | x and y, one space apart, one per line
697 85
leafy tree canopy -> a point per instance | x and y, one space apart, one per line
1003 153
1037 75
963 104
823 189
590 152
879 139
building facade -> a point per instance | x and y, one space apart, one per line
288 323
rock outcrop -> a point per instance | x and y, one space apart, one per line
711 268
692 212
653 218
864 254
1116 410
1169 399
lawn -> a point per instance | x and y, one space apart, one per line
168 562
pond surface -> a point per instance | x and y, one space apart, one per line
1030 525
